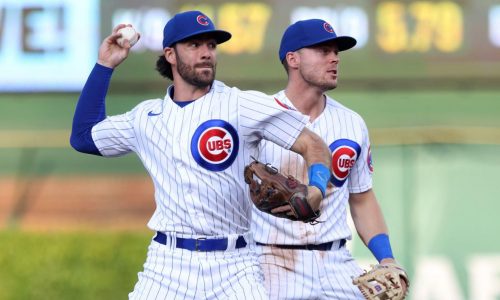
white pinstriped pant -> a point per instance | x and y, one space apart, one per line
172 273
309 274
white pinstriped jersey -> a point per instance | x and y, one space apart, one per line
196 154
347 136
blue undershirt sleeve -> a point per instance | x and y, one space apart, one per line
90 109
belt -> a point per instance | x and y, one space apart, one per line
321 247
200 244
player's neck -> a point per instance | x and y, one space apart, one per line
309 101
184 91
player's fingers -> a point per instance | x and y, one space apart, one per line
282 209
126 44
403 285
120 26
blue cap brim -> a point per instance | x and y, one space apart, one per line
342 42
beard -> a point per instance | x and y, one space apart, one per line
314 80
197 78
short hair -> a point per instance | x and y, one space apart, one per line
285 65
164 67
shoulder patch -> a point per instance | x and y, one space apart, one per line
369 160
345 153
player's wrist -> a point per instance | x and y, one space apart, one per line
388 260
103 67
319 175
380 246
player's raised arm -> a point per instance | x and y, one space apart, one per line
91 108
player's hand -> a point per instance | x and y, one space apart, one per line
110 53
404 284
314 197
283 209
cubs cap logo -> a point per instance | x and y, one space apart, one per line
369 161
345 153
328 27
202 20
215 145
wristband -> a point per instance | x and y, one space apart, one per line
319 175
380 247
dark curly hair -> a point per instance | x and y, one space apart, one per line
164 68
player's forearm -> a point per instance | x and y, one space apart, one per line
317 156
370 225
90 109
367 215
312 148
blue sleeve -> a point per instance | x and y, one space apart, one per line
90 109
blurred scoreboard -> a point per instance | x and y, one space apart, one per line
47 45
52 44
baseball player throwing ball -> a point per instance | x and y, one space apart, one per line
195 143
300 260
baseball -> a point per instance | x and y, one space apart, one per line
128 33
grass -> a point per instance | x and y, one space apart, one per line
79 265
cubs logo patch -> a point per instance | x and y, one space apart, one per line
215 145
202 20
328 27
345 153
369 161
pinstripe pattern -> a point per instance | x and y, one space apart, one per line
171 273
306 274
336 122
193 201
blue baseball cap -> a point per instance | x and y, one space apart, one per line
311 32
188 24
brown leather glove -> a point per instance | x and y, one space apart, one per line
270 189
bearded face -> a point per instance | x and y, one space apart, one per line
199 75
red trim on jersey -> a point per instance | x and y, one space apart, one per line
282 104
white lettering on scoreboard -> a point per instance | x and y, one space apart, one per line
47 45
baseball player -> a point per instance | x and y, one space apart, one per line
300 260
195 143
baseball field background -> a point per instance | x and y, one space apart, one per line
425 77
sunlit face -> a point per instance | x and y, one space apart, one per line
319 65
196 61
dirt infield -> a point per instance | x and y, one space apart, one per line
76 203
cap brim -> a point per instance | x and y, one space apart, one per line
220 36
343 42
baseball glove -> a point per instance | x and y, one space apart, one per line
270 189
383 281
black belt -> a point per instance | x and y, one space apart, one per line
321 247
203 245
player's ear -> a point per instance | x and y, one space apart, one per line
170 55
292 59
